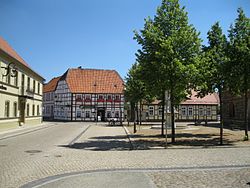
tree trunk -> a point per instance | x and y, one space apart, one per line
246 114
134 118
137 114
172 115
140 111
163 114
221 117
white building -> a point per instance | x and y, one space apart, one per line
20 90
85 94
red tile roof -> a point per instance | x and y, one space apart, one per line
208 99
51 85
94 81
4 46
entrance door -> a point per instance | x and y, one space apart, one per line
101 113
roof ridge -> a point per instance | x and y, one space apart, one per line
92 69
14 51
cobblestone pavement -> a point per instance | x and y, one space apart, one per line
78 147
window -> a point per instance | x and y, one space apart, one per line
47 110
160 110
33 110
28 84
78 96
109 97
201 111
38 110
190 111
87 98
8 78
151 110
7 109
116 114
28 109
78 114
16 79
117 97
15 109
183 111
100 98
208 111
34 86
108 114
22 83
87 114
38 88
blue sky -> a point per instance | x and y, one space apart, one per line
54 35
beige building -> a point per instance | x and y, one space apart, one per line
20 90
193 109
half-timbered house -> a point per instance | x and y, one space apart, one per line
192 109
88 95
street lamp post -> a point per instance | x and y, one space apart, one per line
10 70
96 116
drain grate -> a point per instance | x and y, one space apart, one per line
33 151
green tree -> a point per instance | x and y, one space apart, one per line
212 69
169 53
135 90
239 53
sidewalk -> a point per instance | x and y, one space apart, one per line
23 129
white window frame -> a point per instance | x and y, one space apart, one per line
151 110
183 110
190 111
78 112
201 111
208 109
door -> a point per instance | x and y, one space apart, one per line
101 114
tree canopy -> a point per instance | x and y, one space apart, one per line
169 53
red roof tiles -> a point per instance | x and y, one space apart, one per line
208 99
4 46
94 81
51 85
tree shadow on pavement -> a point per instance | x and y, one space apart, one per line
148 142
182 140
103 143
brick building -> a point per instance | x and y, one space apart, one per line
233 111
